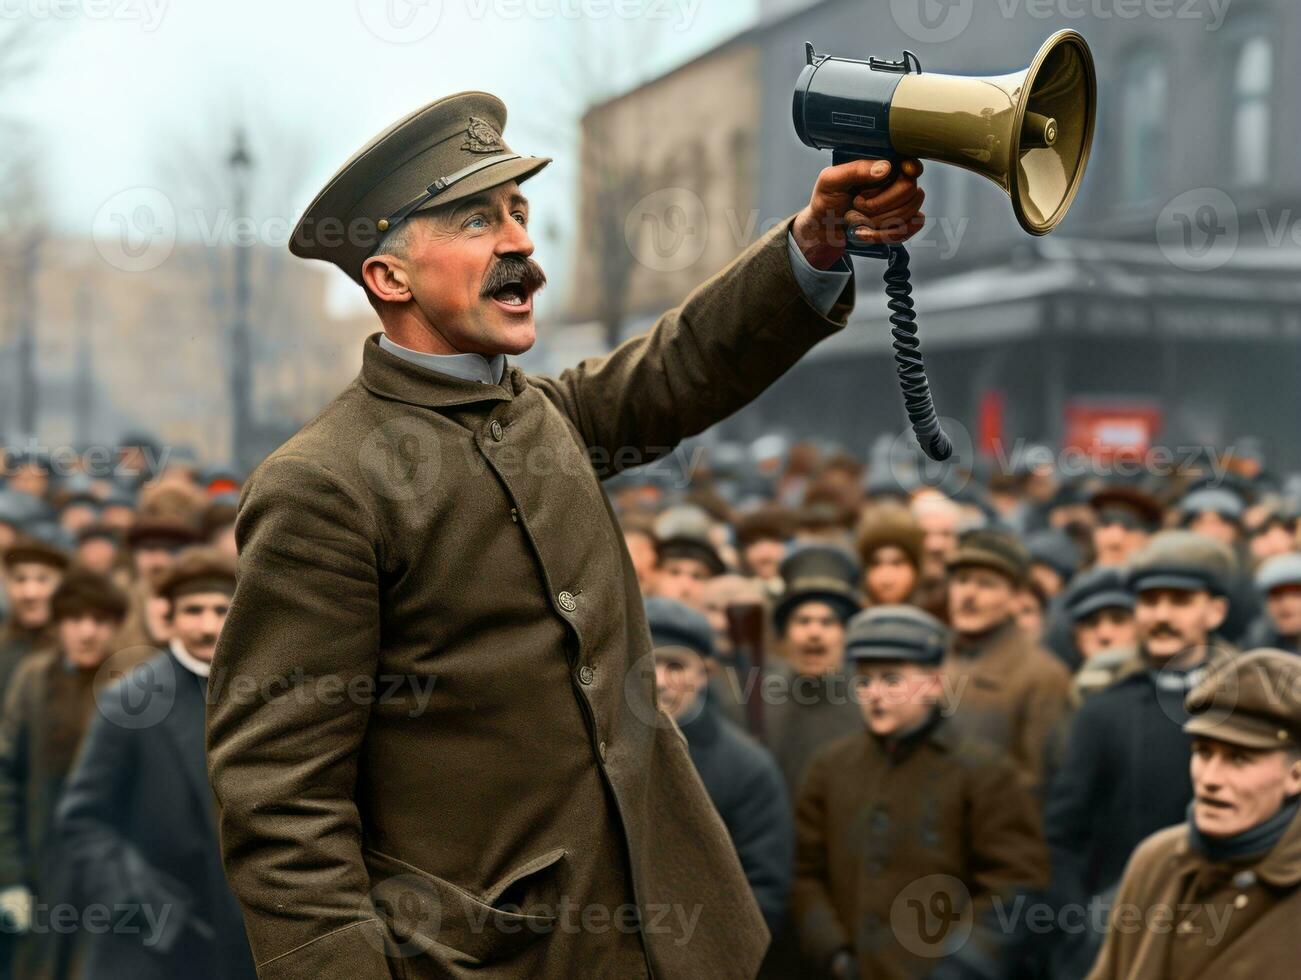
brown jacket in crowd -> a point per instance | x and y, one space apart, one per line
1178 916
452 539
873 827
1015 695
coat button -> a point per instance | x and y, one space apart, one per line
495 429
566 600
601 749
586 673
1240 902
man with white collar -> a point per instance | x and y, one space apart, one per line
138 819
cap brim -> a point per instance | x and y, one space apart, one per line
1103 600
1238 729
499 173
1172 580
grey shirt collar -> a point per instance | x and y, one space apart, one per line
470 367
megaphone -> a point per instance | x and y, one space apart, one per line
1029 132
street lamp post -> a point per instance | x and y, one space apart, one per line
241 359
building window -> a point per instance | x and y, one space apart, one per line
1253 74
1144 111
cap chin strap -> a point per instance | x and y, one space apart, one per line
440 185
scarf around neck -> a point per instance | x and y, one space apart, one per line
1253 842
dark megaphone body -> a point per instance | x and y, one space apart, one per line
1028 131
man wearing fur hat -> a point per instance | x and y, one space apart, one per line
1219 894
48 708
1004 688
138 820
442 522
1125 774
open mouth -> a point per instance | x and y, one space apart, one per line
514 297
1213 803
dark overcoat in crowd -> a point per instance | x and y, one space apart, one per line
1010 692
449 543
1187 918
746 788
803 713
1124 776
137 826
15 644
881 831
48 708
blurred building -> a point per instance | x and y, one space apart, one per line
119 351
1164 308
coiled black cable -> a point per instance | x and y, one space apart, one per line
916 388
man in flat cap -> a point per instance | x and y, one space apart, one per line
1124 775
1278 583
1219 895
437 538
1100 610
1006 688
906 816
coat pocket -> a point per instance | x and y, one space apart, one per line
424 911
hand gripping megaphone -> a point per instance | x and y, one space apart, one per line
1029 132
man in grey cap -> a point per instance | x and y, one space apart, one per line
1278 583
1124 775
441 527
1219 894
908 813
1100 610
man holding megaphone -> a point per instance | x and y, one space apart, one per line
433 732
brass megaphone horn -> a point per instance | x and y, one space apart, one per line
1028 131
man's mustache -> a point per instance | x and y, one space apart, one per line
514 268
1163 630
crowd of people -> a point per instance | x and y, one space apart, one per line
1015 722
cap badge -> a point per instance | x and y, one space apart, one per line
481 137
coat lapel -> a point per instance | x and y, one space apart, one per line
185 727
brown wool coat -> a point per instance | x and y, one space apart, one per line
1177 916
872 827
453 539
1015 695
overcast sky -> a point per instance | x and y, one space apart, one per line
142 93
